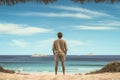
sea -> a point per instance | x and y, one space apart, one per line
45 64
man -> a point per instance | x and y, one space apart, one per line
60 51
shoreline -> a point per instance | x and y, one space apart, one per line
69 73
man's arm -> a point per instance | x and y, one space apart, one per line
53 48
65 45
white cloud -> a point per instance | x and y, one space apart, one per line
100 25
108 23
94 28
42 46
44 43
18 29
83 10
77 46
77 12
73 15
19 43
73 43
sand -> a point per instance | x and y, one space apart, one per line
51 76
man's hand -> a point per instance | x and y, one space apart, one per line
53 52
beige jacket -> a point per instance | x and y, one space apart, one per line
59 46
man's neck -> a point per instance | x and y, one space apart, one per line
59 38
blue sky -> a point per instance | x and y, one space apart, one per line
90 28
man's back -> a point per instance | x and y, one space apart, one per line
59 46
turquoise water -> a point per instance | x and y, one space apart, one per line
74 64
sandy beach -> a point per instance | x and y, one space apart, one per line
48 76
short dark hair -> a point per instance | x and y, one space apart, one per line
59 34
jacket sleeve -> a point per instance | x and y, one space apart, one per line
53 48
65 45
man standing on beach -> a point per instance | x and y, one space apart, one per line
60 51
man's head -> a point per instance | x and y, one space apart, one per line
59 35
